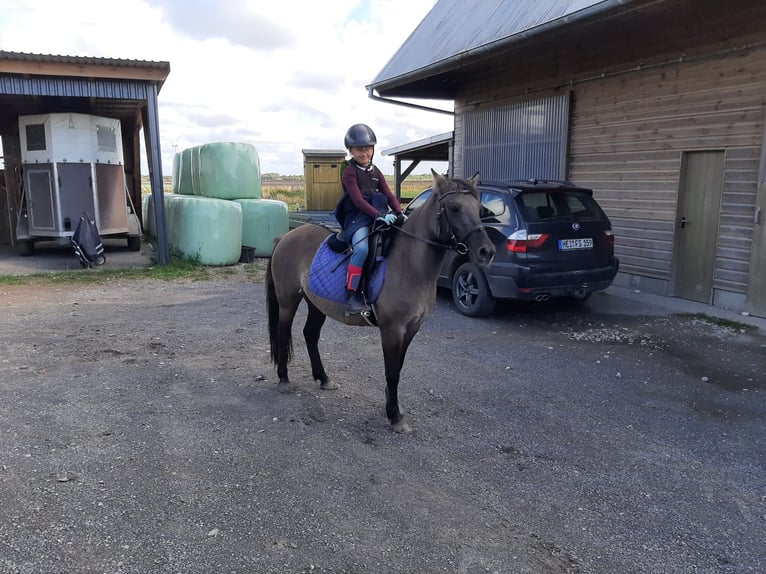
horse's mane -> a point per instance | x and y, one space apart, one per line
441 185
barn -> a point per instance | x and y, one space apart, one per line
657 105
123 90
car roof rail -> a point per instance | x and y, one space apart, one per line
527 181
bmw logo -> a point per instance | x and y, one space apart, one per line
576 226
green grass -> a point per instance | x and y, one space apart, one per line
728 323
178 268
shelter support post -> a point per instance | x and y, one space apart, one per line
154 159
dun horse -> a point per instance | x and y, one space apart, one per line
449 219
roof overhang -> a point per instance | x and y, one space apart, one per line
444 78
40 83
434 148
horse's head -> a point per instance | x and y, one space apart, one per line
457 222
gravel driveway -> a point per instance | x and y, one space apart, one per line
141 431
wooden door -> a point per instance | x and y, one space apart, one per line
325 190
697 215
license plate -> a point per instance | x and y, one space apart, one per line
570 244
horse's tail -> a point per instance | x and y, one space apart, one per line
272 305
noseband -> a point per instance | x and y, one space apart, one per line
456 243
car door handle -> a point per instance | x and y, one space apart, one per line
757 218
682 221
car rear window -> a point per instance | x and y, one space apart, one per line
542 205
492 205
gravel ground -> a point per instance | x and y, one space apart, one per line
141 431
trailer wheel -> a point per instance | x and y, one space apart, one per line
134 242
26 248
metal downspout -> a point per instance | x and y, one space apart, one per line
373 96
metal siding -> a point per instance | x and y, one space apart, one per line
517 141
72 87
628 135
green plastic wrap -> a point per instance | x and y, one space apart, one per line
182 180
263 220
204 228
148 223
223 170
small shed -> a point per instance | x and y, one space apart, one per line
322 172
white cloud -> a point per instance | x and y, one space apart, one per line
283 76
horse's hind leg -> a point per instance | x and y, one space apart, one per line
311 332
284 347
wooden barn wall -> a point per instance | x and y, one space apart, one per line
627 135
696 80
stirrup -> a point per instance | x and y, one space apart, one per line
365 313
357 306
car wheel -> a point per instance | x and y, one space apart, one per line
470 291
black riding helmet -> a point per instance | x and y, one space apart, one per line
360 135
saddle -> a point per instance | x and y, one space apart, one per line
327 276
378 246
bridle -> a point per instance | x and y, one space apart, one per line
455 243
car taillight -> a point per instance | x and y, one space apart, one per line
519 241
609 238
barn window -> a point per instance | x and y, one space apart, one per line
518 141
35 137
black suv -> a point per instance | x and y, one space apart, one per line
552 240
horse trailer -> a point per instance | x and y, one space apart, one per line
72 164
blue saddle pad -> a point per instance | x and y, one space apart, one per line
327 276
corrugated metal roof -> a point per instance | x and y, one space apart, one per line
421 147
82 60
456 30
47 83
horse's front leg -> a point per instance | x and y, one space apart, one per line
311 331
394 350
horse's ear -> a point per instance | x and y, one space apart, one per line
474 180
437 177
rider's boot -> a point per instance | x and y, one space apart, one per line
354 298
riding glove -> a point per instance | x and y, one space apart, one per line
388 218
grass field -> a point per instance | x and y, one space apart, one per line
293 191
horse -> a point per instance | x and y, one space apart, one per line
449 219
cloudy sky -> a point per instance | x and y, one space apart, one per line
283 76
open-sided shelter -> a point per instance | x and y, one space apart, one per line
125 90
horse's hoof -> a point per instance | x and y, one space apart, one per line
285 387
328 385
401 427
